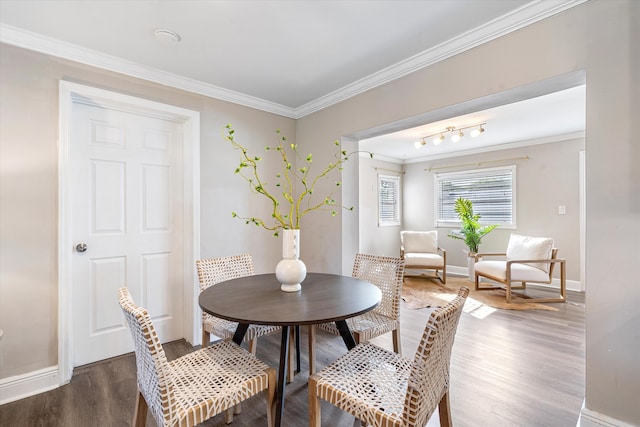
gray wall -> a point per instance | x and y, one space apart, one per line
602 38
548 179
373 239
28 192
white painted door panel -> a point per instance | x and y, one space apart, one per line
127 208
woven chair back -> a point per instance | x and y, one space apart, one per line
154 372
429 378
215 270
386 273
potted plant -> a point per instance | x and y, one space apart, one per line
471 231
292 196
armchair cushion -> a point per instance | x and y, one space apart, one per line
423 260
419 241
527 247
519 272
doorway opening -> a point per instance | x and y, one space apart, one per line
396 150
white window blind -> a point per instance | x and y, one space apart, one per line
491 190
388 200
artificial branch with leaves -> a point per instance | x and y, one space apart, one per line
288 208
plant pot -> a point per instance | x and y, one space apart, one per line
471 263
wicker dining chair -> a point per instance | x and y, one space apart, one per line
193 388
384 389
386 273
213 271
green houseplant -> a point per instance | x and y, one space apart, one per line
471 231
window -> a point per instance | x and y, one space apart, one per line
491 190
388 200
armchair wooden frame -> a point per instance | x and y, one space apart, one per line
508 282
442 253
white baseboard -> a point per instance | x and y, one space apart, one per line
29 384
572 285
589 418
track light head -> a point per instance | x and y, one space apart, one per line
477 132
456 137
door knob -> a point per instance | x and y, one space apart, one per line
81 247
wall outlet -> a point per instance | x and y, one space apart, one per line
562 210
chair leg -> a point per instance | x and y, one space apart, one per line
253 345
228 416
397 347
205 338
298 355
312 349
444 411
563 282
271 394
314 404
291 362
140 411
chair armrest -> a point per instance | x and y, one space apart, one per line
535 261
478 256
442 252
401 252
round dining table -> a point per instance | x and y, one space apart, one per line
258 300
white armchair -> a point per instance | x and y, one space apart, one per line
528 260
420 250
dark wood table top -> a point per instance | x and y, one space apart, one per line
259 300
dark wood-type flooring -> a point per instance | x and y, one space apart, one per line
510 368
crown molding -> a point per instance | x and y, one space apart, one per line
526 15
36 42
381 157
519 18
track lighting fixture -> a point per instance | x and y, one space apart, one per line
457 134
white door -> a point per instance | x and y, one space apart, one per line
127 202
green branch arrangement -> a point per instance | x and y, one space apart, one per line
472 231
288 208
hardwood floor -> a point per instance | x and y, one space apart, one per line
510 368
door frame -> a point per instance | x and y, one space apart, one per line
190 119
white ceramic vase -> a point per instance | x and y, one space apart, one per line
291 271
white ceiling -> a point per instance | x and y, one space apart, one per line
542 119
289 57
